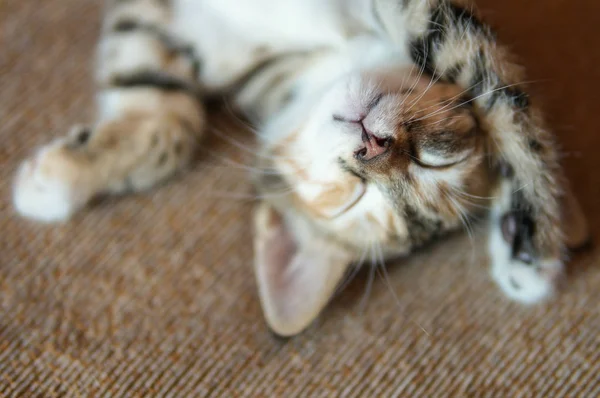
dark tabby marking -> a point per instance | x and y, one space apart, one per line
480 77
128 25
80 139
154 79
420 53
518 230
421 230
518 98
84 136
519 203
512 95
162 159
271 62
452 74
458 16
506 170
178 148
190 53
445 17
535 145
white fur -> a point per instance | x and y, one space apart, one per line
122 54
228 34
42 197
535 282
116 102
434 159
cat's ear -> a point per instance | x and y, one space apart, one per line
295 280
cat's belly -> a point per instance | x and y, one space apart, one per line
231 37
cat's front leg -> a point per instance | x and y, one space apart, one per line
131 152
149 121
448 41
526 269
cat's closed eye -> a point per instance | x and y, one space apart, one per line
430 160
445 149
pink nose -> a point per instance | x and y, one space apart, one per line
374 146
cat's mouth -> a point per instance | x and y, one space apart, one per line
357 193
334 200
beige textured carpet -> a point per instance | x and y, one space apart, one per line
154 295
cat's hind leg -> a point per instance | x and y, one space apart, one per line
149 120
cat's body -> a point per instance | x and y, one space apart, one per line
364 155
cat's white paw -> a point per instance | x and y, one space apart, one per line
49 187
522 277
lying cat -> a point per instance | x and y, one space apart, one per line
384 124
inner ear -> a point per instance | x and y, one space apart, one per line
296 273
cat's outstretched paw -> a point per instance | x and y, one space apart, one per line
53 184
521 271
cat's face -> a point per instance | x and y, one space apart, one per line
385 160
415 141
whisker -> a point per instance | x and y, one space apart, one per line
470 100
383 273
238 144
464 218
258 170
369 286
215 194
385 276
247 125
449 101
432 82
353 273
444 120
407 153
419 75
463 193
241 166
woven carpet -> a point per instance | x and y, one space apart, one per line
153 295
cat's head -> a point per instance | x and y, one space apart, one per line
380 162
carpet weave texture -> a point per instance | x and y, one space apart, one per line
153 295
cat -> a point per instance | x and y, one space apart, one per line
384 124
